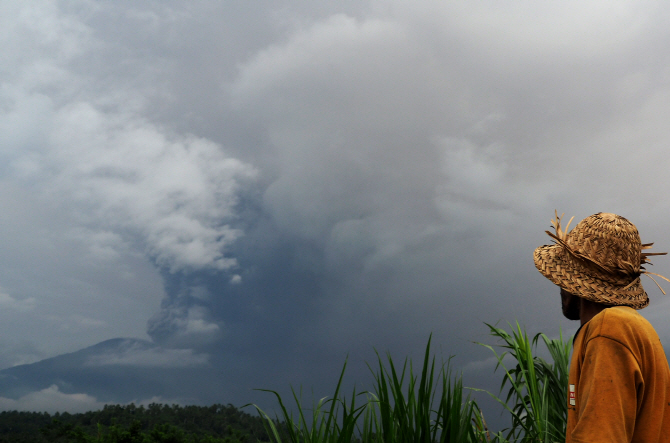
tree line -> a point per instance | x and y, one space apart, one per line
155 423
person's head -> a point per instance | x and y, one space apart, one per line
600 260
570 305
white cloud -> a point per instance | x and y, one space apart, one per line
478 183
94 153
177 193
310 52
51 400
94 192
197 323
141 356
103 246
542 30
18 351
185 327
8 302
124 176
38 39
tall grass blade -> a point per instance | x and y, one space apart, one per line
537 395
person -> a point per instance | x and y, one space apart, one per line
619 379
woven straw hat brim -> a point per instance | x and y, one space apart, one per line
567 272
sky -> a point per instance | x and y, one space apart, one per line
257 191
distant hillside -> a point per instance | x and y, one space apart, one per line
120 370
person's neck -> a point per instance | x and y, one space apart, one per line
589 309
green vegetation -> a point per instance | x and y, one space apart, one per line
155 423
430 405
537 395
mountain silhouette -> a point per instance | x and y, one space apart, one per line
119 370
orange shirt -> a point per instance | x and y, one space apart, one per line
619 382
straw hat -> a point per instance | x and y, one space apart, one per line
601 260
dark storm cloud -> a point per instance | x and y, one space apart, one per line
309 181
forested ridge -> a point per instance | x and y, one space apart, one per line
135 424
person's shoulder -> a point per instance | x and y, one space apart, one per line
621 313
621 322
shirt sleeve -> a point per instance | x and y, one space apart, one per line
607 393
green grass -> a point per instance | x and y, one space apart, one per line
537 396
425 408
332 419
431 405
